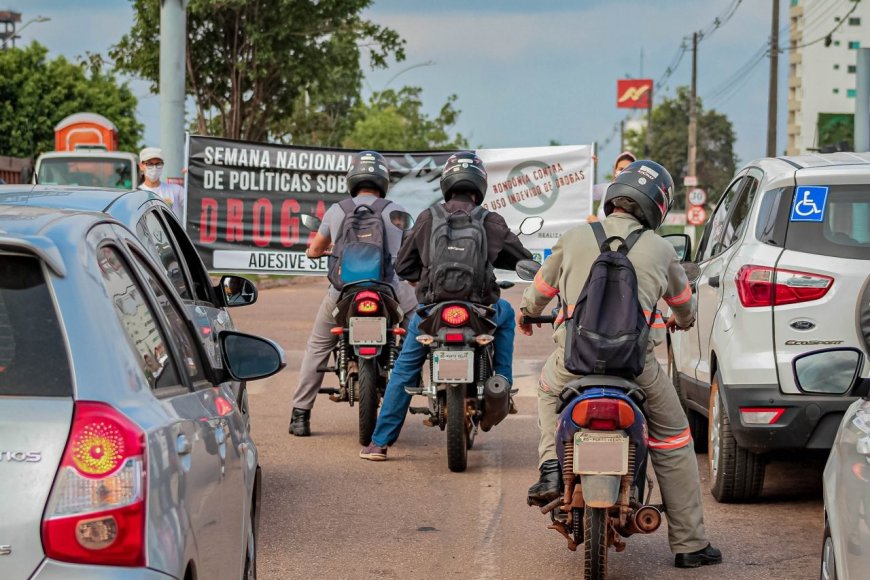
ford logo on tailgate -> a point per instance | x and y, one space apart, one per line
802 325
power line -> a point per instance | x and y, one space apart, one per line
843 19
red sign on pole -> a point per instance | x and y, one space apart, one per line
633 93
696 215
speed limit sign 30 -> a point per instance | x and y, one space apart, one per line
697 196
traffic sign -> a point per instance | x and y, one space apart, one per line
697 196
690 181
696 215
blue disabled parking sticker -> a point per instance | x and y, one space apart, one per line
809 204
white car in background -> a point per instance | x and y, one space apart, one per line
784 271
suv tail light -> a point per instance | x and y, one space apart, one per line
603 414
96 510
454 315
367 302
764 286
761 415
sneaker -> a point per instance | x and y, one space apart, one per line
373 452
705 557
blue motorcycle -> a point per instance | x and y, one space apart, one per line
602 448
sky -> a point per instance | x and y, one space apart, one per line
525 72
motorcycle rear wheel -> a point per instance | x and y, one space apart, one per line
367 386
457 436
595 545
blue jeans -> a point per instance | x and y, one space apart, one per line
409 364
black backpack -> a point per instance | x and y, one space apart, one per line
361 251
458 263
607 333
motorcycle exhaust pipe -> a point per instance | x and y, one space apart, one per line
496 401
644 520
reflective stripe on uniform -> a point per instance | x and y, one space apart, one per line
658 321
680 298
681 440
544 288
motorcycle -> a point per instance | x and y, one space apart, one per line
463 393
602 449
369 330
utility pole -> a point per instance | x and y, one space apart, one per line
774 73
862 101
647 146
173 40
693 113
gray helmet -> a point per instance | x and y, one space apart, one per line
464 171
649 186
368 170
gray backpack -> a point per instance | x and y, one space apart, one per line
459 267
361 251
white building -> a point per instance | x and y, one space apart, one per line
821 78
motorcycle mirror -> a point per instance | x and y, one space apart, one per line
526 269
531 225
505 284
402 220
310 222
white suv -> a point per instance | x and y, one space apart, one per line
784 271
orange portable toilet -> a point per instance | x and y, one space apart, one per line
85 131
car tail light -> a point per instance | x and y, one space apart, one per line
368 350
454 337
761 415
455 315
96 511
763 286
367 302
603 414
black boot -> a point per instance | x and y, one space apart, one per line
549 486
704 557
299 422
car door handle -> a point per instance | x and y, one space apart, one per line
713 281
182 445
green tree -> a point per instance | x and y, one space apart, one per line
37 92
286 70
716 161
394 120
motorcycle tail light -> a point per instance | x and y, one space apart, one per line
484 339
454 315
425 339
96 510
367 302
368 350
761 415
454 337
603 414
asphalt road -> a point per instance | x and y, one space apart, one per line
329 514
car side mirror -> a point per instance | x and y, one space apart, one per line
682 244
831 371
526 269
248 357
237 291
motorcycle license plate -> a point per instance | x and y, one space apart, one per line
453 366
600 453
368 330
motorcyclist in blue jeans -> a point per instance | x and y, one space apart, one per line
463 184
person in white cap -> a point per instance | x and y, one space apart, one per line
151 166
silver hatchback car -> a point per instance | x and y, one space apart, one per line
121 453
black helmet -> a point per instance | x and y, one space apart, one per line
369 169
647 184
464 171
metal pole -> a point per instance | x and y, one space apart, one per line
173 38
862 101
693 113
647 147
774 72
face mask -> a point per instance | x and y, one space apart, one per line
152 172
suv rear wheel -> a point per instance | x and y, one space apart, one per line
735 473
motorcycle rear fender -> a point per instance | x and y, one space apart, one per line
600 491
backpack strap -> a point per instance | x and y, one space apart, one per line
347 205
600 236
379 205
633 237
479 212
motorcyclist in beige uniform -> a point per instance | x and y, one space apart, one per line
640 196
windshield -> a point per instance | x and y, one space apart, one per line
86 171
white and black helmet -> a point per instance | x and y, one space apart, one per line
647 184
464 171
368 170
